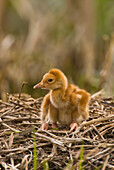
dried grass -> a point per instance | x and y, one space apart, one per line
20 120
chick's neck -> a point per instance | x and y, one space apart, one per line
61 91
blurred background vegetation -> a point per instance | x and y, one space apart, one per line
73 35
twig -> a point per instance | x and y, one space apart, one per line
22 88
101 162
97 120
12 129
97 94
98 132
50 139
105 163
99 153
8 111
22 149
20 119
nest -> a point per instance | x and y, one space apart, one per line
24 146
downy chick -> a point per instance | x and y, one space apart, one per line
65 103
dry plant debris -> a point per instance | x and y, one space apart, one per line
20 124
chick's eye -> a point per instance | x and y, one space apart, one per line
50 80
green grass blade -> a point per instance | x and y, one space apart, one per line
35 152
45 165
81 157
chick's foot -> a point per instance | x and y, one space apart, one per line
73 126
44 126
54 125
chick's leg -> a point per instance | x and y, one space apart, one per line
44 111
75 120
73 126
53 116
45 126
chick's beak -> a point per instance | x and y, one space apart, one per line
39 85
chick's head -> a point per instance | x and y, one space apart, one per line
52 80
